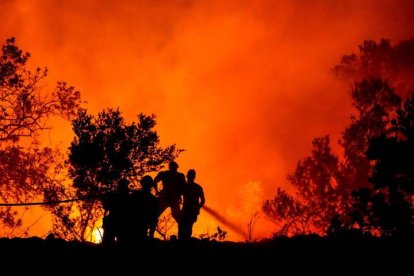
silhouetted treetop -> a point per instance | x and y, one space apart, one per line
106 149
12 64
394 63
24 107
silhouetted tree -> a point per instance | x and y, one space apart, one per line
388 207
317 179
324 181
27 168
394 63
104 150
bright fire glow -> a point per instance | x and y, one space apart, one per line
243 86
96 236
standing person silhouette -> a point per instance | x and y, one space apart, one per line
144 211
170 195
115 204
193 200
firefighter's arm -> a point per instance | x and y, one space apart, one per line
157 179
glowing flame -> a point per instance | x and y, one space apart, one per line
96 236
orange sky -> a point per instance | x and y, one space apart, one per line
243 86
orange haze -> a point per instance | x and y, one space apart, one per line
243 86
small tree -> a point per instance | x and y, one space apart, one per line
251 224
288 214
317 180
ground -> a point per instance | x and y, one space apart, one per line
351 255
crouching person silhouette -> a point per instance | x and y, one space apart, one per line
144 209
193 200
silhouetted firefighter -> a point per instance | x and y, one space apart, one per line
170 196
115 219
144 210
193 200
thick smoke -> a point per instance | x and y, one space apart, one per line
243 86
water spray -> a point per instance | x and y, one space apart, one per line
223 220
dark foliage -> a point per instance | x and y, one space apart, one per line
387 207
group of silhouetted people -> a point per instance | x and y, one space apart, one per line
133 216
